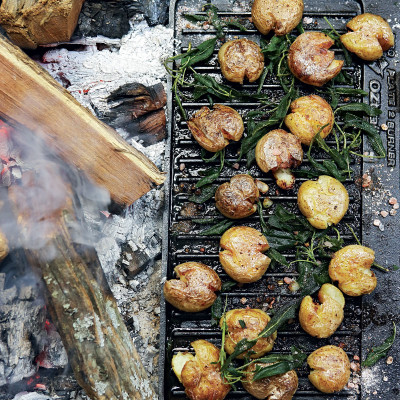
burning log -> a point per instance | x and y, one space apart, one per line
31 98
3 246
99 348
34 22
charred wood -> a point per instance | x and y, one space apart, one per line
99 347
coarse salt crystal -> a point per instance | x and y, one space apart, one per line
384 213
393 200
389 360
384 127
377 222
396 206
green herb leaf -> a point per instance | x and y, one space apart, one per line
207 192
276 256
195 18
281 363
242 324
381 351
217 229
351 92
217 310
370 131
360 107
227 286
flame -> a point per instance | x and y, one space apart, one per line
40 386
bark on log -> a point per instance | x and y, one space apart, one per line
98 344
31 98
30 23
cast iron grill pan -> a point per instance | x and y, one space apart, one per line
178 329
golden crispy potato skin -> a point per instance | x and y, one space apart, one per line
195 290
240 59
371 36
351 267
236 199
279 387
322 320
308 115
213 129
310 60
280 16
3 246
331 369
201 376
255 321
242 257
278 149
323 202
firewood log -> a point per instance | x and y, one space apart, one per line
30 23
99 347
30 98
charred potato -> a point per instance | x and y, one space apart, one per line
3 246
310 60
200 374
280 16
247 324
236 199
242 257
278 387
331 369
240 59
323 202
371 35
322 320
213 129
351 267
278 151
308 115
195 289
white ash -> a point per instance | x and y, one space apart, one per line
93 74
31 396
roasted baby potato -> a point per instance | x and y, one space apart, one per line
308 115
371 36
236 199
280 16
213 129
351 267
247 324
278 151
195 289
242 257
278 387
323 202
201 374
3 246
331 369
310 60
240 59
322 320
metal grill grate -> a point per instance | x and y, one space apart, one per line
182 328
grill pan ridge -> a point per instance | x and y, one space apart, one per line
367 319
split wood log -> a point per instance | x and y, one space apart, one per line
99 347
31 98
30 23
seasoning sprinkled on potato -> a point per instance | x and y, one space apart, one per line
310 60
308 115
247 324
351 268
280 16
237 198
330 367
371 35
323 202
213 129
241 59
195 289
242 256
